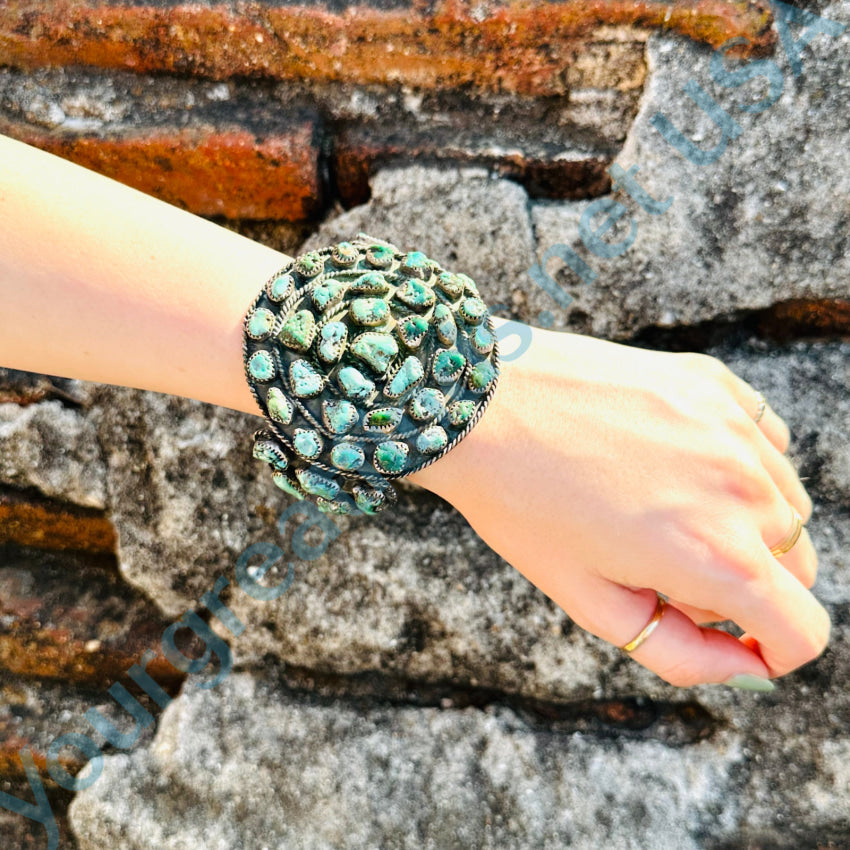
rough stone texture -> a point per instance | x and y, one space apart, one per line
174 140
766 222
54 450
463 217
249 766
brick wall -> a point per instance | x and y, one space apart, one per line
263 116
275 111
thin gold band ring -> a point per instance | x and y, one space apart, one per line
649 628
793 535
761 408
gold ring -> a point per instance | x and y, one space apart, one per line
762 405
792 537
650 626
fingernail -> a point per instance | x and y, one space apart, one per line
749 682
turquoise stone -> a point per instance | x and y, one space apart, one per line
354 385
379 255
344 254
426 403
332 339
482 340
281 287
481 376
317 484
416 295
468 284
339 415
282 481
369 311
327 294
390 456
369 501
432 439
298 331
334 507
383 418
451 284
409 374
309 264
447 366
412 330
280 407
472 310
266 452
376 349
305 381
460 412
371 283
347 456
260 323
261 366
307 443
415 263
444 325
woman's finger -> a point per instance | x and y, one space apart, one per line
770 424
782 471
754 589
802 559
701 616
678 650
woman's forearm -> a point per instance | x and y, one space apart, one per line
104 283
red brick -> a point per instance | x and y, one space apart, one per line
789 320
521 46
46 524
63 619
214 172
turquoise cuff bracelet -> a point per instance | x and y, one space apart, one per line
368 364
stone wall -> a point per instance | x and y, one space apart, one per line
411 689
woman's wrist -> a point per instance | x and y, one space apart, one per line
454 472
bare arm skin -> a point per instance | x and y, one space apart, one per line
645 470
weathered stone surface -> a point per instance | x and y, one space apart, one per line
460 216
249 766
766 222
53 449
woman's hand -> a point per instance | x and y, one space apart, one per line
604 472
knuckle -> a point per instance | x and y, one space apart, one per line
707 365
745 478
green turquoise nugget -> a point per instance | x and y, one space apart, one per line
376 349
347 456
298 330
261 366
409 375
390 456
448 366
369 311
